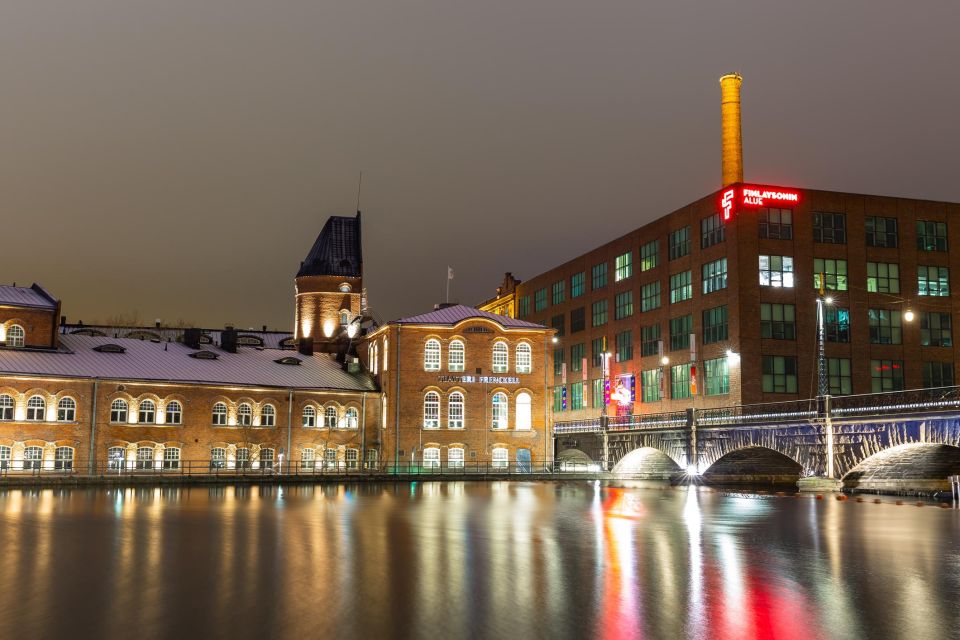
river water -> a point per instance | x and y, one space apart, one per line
472 560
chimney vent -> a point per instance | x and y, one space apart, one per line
305 346
228 340
191 337
732 139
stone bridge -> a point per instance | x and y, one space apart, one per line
903 441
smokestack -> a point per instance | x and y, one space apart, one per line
730 122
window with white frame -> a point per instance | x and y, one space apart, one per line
15 336
500 458
776 271
243 458
431 410
455 410
67 410
63 459
116 458
352 458
219 414
244 415
455 458
501 357
218 458
308 417
171 458
500 410
147 412
371 460
431 355
173 413
6 407
308 458
36 409
351 418
6 453
330 458
32 458
524 404
456 358
330 418
144 458
266 458
268 416
118 411
431 458
524 358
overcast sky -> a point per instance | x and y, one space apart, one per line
175 159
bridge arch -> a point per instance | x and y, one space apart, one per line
648 462
575 460
912 467
753 465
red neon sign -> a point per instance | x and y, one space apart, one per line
752 196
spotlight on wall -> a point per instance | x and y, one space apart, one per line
692 470
732 357
328 327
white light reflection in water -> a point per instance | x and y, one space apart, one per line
696 612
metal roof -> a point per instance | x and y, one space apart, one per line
338 250
271 339
145 360
456 313
34 296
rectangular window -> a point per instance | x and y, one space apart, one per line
712 231
885 326
931 236
776 224
576 396
623 305
599 313
650 340
597 395
937 374
830 228
624 267
650 385
577 352
716 377
558 355
779 374
883 277
678 243
881 232
557 323
933 281
649 255
776 271
836 324
834 274
715 325
681 287
714 275
624 346
557 399
886 375
680 381
839 376
578 319
558 292
598 346
778 321
680 329
650 296
577 284
540 299
523 307
936 329
599 276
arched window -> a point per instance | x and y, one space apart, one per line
524 358
266 458
307 458
147 412
244 415
66 410
118 411
330 458
243 458
455 458
352 457
15 336
6 453
171 458
36 409
268 416
501 458
219 414
500 410
32 458
144 458
351 418
6 407
431 410
431 355
330 417
218 458
455 410
386 350
523 411
431 458
174 413
455 356
63 459
116 458
309 417
371 459
344 316
501 357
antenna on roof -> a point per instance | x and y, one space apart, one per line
359 185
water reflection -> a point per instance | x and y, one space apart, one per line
457 560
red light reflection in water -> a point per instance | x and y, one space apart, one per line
622 609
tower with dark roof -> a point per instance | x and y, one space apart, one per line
329 285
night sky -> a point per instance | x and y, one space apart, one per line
176 159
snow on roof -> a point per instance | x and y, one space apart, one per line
456 313
34 296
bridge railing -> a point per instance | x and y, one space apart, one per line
908 401
590 425
647 420
787 411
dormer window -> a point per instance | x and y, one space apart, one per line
204 355
110 348
345 288
250 341
344 316
288 360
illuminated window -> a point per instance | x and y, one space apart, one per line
886 375
576 399
598 276
623 305
219 414
558 292
116 458
330 458
577 352
649 255
680 329
830 228
171 458
118 411
218 458
5 457
455 458
330 418
839 376
714 275
267 456
6 407
881 232
935 330
144 458
308 458
576 286
650 296
431 458
431 410
715 325
32 458
524 404
931 235
624 266
63 459
650 385
624 346
372 460
937 374
386 352
681 287
578 319
455 410
778 321
66 410
776 271
558 399
500 410
456 358
308 418
883 277
599 309
716 374
268 416
501 357
431 355
650 340
174 413
15 336
147 412
779 374
678 243
680 381
524 358
834 273
712 231
885 326
243 458
933 281
500 458
351 417
776 224
36 409
540 299
597 392
352 457
836 324
244 415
